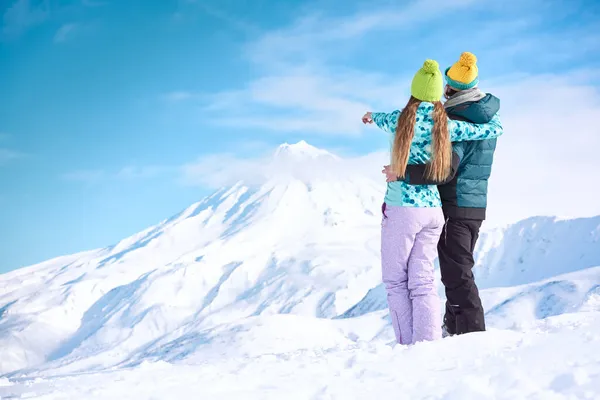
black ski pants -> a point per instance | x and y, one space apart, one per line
464 312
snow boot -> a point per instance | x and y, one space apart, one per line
445 332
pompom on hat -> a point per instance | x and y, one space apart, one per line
463 74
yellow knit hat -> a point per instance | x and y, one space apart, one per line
464 74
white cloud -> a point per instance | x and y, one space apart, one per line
546 162
64 32
93 3
227 17
179 95
218 170
87 176
144 172
125 173
299 92
7 155
314 35
23 14
306 101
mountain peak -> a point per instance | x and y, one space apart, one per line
300 149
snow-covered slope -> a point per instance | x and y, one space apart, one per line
535 249
290 245
301 358
285 276
532 250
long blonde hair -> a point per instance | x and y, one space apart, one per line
438 167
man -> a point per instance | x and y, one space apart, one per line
464 197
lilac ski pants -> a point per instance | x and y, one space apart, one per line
409 237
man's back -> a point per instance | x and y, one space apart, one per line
465 196
477 112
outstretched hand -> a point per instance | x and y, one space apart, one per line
389 175
367 118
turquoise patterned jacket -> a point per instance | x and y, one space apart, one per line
404 195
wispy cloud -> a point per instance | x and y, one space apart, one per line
301 92
189 10
314 36
86 176
218 170
179 95
145 172
307 102
125 173
65 32
229 18
304 87
548 155
298 92
24 14
94 3
7 155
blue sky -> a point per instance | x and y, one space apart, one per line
114 114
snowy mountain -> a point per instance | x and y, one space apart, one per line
282 275
286 246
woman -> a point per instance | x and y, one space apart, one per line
412 215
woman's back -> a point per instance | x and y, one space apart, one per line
420 147
402 194
399 193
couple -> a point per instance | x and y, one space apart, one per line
436 197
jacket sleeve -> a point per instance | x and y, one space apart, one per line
388 122
416 173
461 130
